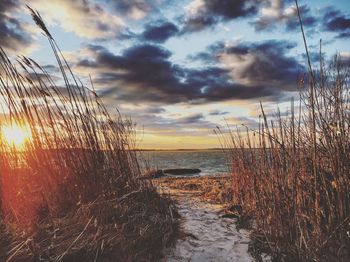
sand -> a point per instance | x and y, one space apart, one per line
209 237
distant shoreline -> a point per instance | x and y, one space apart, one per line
197 149
182 149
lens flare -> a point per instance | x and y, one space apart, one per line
16 135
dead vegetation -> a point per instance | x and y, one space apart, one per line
292 173
71 191
214 189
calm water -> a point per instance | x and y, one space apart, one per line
209 162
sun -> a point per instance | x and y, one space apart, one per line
16 135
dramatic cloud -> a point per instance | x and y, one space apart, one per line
85 18
201 14
274 13
145 73
149 57
13 32
336 21
264 64
160 122
204 13
159 31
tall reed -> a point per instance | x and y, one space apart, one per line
292 173
75 145
76 173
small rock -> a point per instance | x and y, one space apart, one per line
182 171
159 173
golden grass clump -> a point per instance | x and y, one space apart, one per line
71 190
215 188
293 173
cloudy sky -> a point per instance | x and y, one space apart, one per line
181 68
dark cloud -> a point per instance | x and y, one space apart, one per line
13 35
263 64
199 23
145 73
229 9
336 21
213 11
144 67
190 119
308 20
208 13
6 5
159 31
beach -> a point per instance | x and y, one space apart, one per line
208 235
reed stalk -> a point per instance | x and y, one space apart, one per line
72 191
296 182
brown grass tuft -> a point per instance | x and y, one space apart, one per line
292 173
71 191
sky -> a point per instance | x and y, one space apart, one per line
182 68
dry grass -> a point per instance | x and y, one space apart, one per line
298 187
215 189
133 228
71 192
293 172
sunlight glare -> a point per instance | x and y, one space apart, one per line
16 135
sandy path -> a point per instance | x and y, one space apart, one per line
212 238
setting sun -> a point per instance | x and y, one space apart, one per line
16 135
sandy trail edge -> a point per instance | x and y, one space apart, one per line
211 238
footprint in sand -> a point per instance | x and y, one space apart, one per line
215 239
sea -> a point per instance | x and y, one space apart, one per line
210 162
